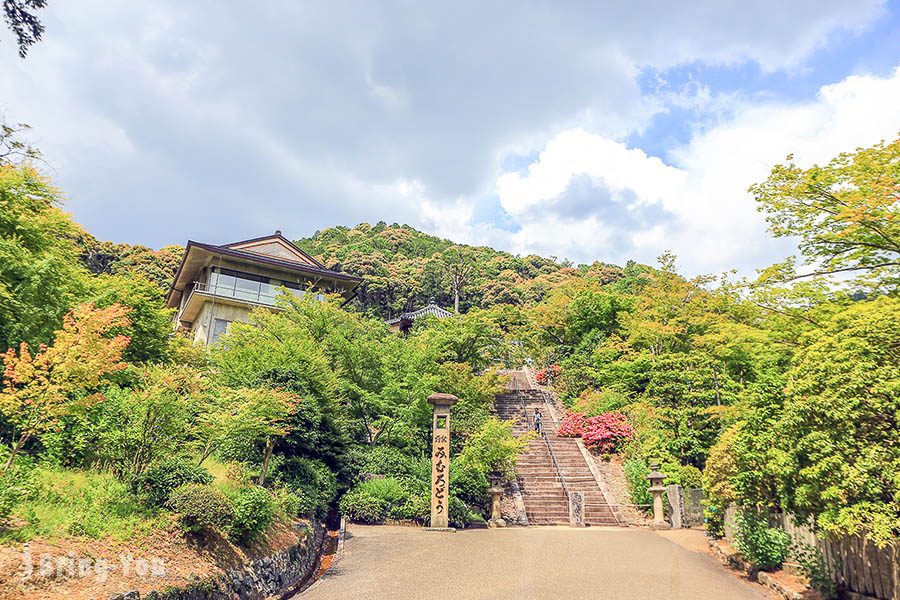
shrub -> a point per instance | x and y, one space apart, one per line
469 485
254 510
764 546
385 460
548 375
200 507
597 402
636 471
572 425
387 488
17 483
493 448
606 432
416 508
813 566
157 484
687 476
374 500
459 513
288 503
361 507
313 483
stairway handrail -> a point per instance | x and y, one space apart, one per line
559 475
519 398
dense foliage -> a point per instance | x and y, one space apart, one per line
780 394
404 269
764 546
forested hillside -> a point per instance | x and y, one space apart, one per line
404 268
776 394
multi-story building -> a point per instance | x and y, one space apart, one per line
216 285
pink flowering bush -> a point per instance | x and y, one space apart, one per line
572 425
545 376
606 432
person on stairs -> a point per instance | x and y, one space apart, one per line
536 419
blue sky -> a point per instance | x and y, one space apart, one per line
588 130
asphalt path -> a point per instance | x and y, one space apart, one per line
534 563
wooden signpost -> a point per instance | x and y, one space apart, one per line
440 461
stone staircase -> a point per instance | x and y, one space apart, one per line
545 498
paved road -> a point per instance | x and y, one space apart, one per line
404 563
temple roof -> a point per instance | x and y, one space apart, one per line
431 309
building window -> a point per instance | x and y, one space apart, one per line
220 326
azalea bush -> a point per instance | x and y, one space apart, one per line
548 375
606 432
572 425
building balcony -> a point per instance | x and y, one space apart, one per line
236 292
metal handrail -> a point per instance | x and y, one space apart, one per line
559 475
519 397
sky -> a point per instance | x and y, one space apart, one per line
589 131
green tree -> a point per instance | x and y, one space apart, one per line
470 339
459 267
840 421
845 213
40 278
150 324
247 417
138 425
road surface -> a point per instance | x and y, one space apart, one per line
535 563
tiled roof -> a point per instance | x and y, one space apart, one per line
431 309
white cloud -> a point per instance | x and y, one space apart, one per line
575 152
167 120
707 216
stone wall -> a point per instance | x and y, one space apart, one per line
268 577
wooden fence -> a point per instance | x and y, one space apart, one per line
856 564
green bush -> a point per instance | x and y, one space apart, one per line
416 508
687 476
15 484
362 507
288 504
201 507
377 499
459 514
157 483
494 448
636 471
813 566
388 489
312 481
384 460
254 510
470 485
764 546
715 521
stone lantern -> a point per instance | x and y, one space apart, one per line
496 520
656 488
496 479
